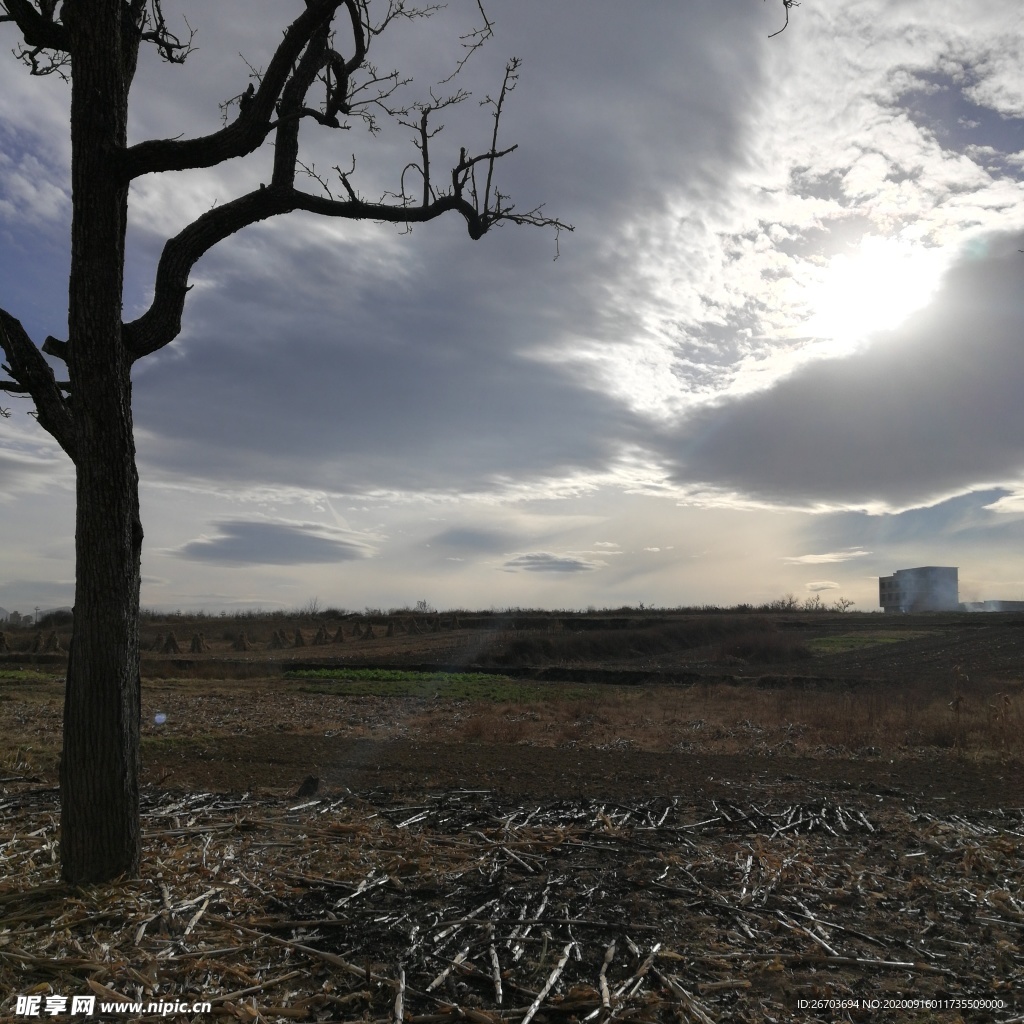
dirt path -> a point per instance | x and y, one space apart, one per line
274 762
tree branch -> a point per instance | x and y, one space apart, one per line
473 40
39 28
33 376
55 347
255 121
787 4
305 56
161 323
286 145
509 83
153 29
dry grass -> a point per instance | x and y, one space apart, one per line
209 671
742 719
891 721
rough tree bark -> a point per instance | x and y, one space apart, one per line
99 772
96 43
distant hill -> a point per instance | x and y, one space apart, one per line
3 614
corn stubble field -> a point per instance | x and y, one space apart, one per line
630 815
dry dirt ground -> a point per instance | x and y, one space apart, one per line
266 734
436 877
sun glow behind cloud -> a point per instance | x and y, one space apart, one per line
872 289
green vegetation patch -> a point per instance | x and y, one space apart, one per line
844 642
23 675
391 675
380 682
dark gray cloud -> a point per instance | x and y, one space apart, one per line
241 542
396 389
410 362
545 561
955 523
924 412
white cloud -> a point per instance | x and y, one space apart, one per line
30 461
830 556
29 191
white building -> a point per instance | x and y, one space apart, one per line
928 588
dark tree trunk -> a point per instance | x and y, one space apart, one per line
99 773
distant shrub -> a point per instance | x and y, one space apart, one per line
56 619
597 640
788 603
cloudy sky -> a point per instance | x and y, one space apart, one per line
782 351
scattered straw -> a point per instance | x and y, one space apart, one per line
459 907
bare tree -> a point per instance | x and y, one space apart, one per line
319 75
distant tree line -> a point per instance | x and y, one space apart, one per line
47 620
